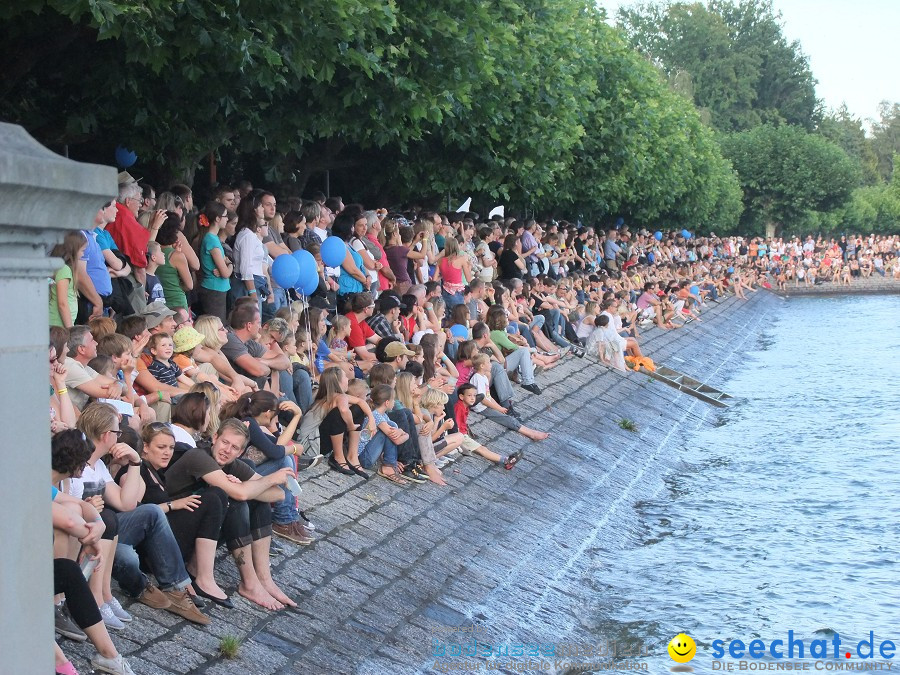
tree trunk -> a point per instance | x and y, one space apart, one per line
773 230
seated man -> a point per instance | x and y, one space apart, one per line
386 321
517 361
82 381
143 526
247 529
246 355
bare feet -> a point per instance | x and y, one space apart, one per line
434 474
533 434
260 596
277 593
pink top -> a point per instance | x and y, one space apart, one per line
465 373
451 275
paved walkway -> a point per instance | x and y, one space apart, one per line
395 571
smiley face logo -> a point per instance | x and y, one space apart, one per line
682 648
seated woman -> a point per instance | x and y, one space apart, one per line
272 448
62 412
214 338
606 344
69 580
332 406
196 520
247 528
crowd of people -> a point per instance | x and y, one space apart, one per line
188 391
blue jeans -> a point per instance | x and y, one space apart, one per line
285 511
147 527
553 324
379 444
451 300
297 387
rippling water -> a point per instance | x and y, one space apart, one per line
784 516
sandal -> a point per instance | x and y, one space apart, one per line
341 467
393 477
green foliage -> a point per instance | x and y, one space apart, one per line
532 102
732 59
843 129
786 172
873 208
886 139
627 424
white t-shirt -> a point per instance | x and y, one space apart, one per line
357 245
182 436
92 482
482 386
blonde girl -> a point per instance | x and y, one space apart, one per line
408 391
214 397
339 332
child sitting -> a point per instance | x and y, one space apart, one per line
162 348
434 409
409 394
337 336
383 443
467 396
489 408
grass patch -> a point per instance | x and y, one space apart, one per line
229 647
627 424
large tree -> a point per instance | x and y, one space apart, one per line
742 70
786 172
842 128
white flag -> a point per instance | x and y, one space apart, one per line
497 211
465 206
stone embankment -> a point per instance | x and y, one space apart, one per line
874 285
399 574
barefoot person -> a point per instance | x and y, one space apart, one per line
247 528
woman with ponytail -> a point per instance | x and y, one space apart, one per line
215 268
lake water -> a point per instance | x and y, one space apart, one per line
786 515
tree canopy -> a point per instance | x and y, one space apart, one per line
741 69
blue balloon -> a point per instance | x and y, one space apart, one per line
460 331
685 234
308 286
309 272
658 235
619 222
333 252
285 270
125 157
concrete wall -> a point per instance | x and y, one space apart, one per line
41 196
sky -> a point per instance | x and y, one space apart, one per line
851 45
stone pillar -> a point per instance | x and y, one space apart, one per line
42 195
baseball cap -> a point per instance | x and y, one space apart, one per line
388 302
155 312
395 349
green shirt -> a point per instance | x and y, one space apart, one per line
501 339
64 272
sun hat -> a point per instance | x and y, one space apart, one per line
186 338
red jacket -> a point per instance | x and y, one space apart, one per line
130 236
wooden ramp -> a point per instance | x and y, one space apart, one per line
689 385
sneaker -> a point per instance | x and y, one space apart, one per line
441 462
109 618
413 473
291 532
118 610
306 462
306 521
512 459
578 351
533 388
65 626
180 604
155 598
116 666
